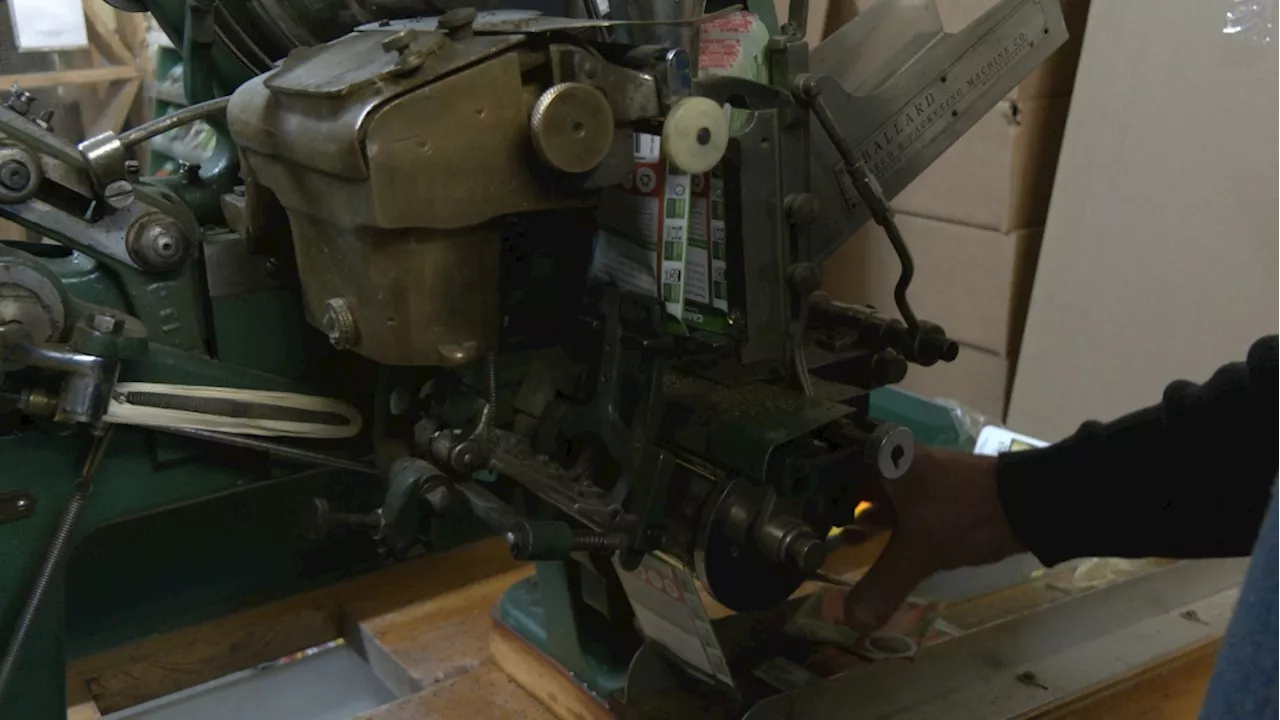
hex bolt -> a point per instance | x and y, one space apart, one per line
45 119
20 101
14 175
106 323
339 323
438 496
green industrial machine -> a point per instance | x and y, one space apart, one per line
388 316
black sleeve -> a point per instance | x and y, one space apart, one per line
1188 478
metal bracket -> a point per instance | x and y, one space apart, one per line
16 505
632 95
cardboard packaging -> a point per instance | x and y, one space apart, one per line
999 175
1160 249
974 283
977 380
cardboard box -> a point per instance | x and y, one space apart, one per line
974 283
976 379
1140 285
999 175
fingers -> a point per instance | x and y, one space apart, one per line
873 601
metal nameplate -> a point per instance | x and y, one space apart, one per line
899 127
954 89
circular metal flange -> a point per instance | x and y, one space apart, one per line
572 127
736 572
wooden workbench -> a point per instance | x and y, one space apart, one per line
425 628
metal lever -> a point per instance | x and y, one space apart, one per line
808 91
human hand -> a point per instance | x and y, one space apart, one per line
946 514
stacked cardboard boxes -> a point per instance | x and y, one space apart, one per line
973 222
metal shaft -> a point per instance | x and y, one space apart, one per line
54 557
164 124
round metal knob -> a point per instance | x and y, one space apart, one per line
572 127
457 21
400 41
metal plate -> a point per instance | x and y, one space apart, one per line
737 428
903 123
358 60
1011 668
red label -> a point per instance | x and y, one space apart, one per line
719 54
739 22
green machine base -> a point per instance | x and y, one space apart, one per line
547 610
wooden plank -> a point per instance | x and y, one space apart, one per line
80 704
485 693
111 118
103 37
542 678
31 81
432 640
126 676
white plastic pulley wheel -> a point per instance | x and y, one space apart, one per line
695 134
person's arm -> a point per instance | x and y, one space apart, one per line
1189 477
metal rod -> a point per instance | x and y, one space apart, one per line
271 448
54 557
869 191
164 124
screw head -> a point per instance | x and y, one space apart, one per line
14 175
21 503
118 194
